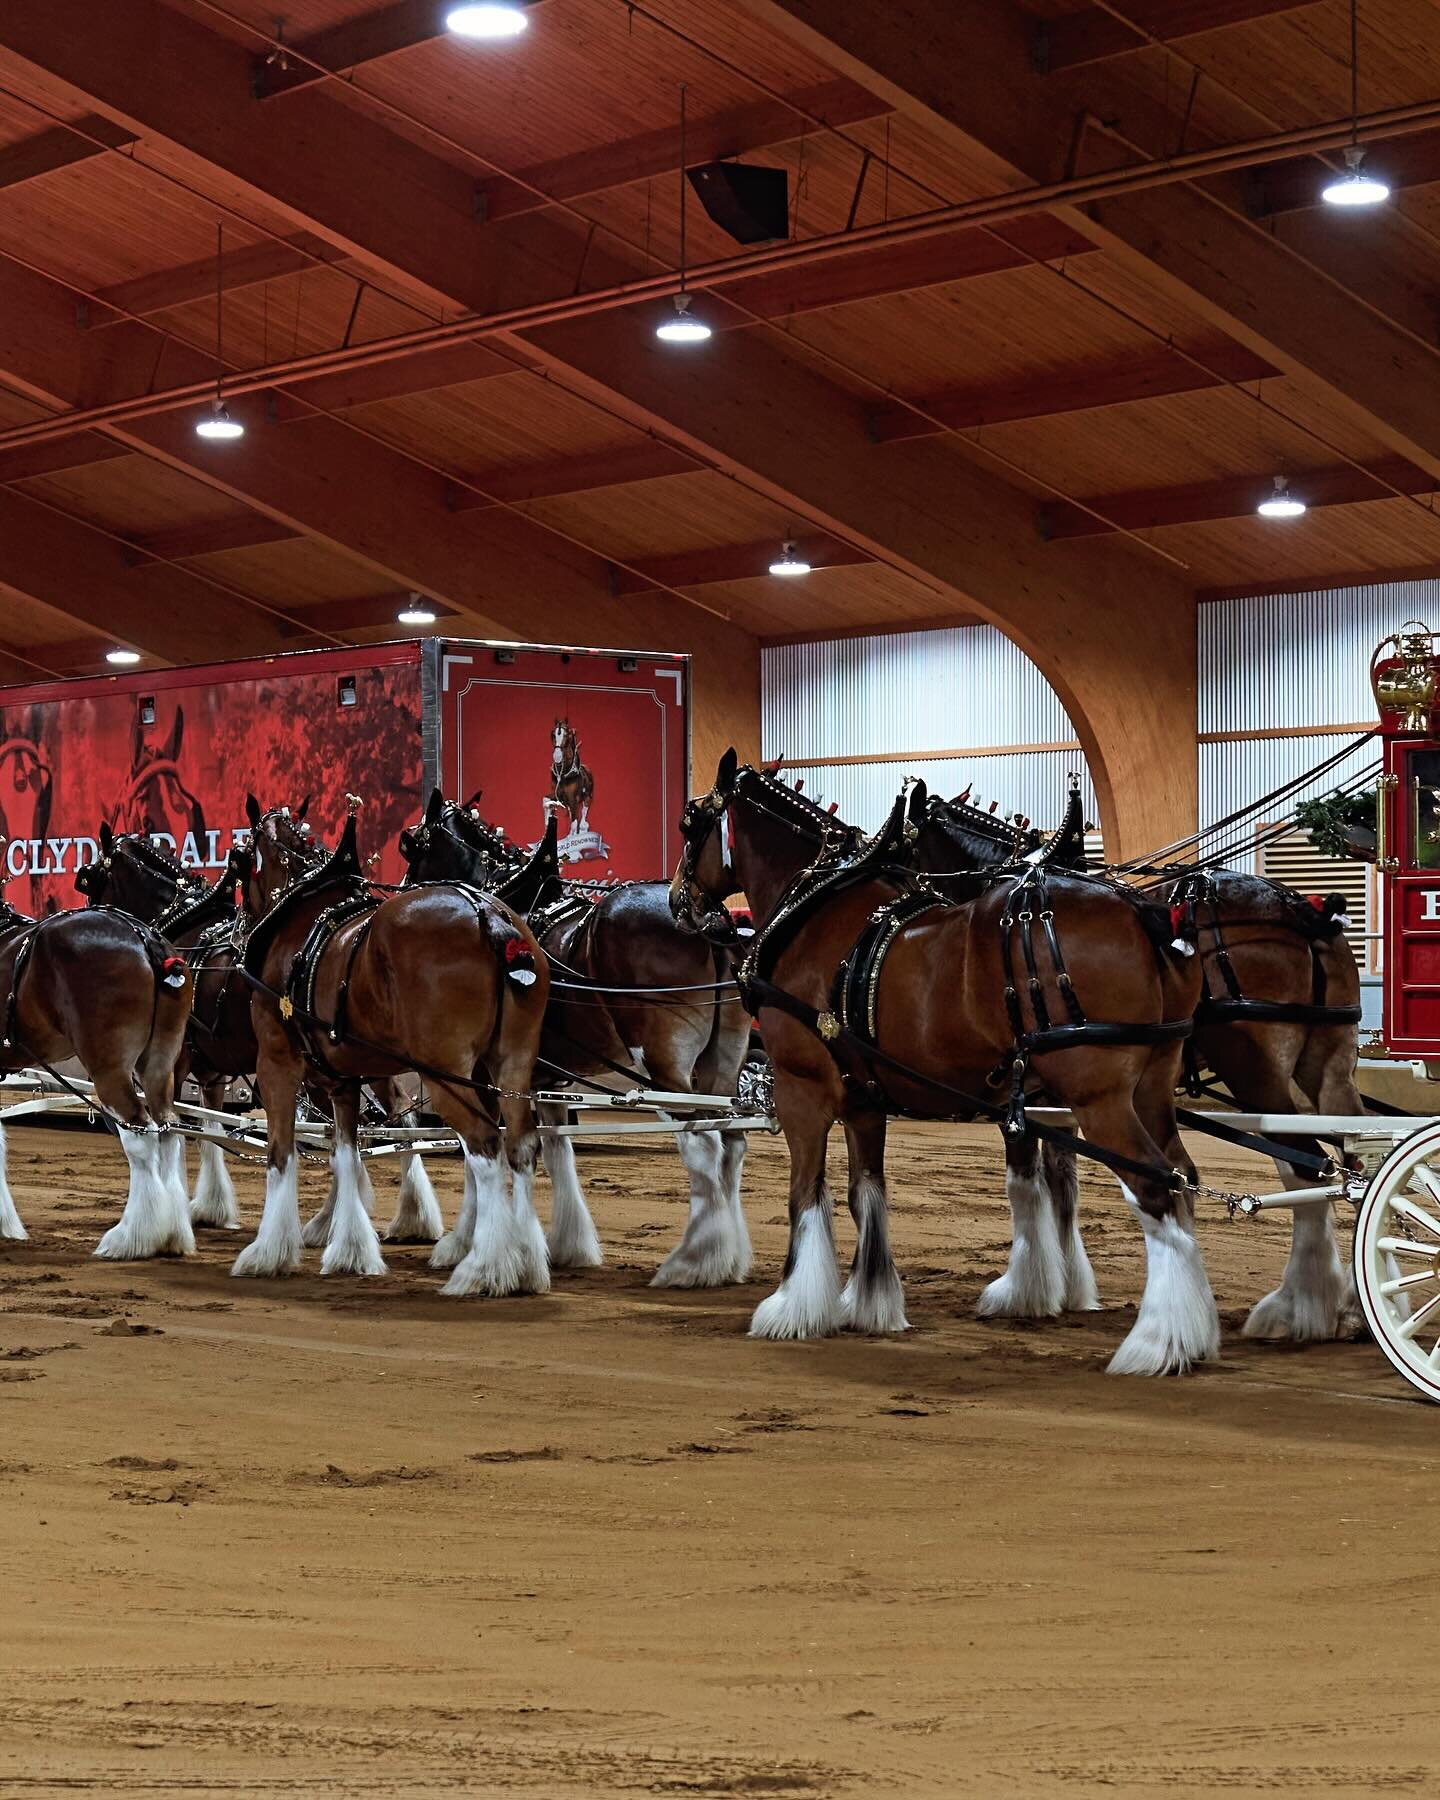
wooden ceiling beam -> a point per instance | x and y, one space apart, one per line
733 562
1230 497
94 578
735 132
209 537
1095 33
649 460
249 266
57 456
348 45
60 147
314 477
363 613
1189 243
1141 377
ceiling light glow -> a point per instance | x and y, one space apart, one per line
416 612
120 657
489 23
684 328
217 425
789 562
1281 503
1355 187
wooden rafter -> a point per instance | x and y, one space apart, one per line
1096 33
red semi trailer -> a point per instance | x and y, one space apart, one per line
174 752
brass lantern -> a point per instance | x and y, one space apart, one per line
1407 683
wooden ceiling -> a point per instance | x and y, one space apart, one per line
1002 269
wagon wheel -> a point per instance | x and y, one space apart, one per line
1397 1258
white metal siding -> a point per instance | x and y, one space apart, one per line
919 691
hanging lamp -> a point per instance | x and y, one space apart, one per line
217 426
685 327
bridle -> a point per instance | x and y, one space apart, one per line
487 844
307 856
147 854
689 901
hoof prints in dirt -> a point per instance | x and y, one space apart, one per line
546 1453
335 1476
180 1493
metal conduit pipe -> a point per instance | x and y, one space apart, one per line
715 276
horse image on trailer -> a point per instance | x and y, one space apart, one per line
599 737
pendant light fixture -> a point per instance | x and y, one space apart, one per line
217 426
122 658
684 327
416 611
789 562
1280 503
1357 186
491 22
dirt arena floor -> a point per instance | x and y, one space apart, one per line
332 1537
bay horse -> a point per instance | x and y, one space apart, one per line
1278 1010
932 1022
205 923
682 1029
572 785
104 988
350 986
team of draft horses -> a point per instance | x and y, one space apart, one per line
949 965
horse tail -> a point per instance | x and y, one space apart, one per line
515 949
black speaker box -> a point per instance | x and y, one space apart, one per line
751 203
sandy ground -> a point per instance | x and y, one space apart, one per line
305 1537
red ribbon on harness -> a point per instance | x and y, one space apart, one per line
515 948
173 965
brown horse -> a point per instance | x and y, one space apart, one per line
350 987
104 988
936 1025
134 872
629 990
1278 980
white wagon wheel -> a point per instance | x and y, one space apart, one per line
1397 1258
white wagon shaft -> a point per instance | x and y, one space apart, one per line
38 1092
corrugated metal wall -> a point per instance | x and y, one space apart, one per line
1286 661
919 692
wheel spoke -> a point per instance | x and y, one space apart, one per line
1417 1214
1393 1246
1408 1281
1418 1317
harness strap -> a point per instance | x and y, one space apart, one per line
839 1038
1277 1012
1305 1160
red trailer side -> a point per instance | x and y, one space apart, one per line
174 752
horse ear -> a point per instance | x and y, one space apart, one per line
302 809
435 807
473 801
407 845
107 837
725 774
252 811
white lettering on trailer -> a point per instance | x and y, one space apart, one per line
1430 915
22 866
190 852
57 848
213 858
86 850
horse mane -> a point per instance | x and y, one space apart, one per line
341 868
